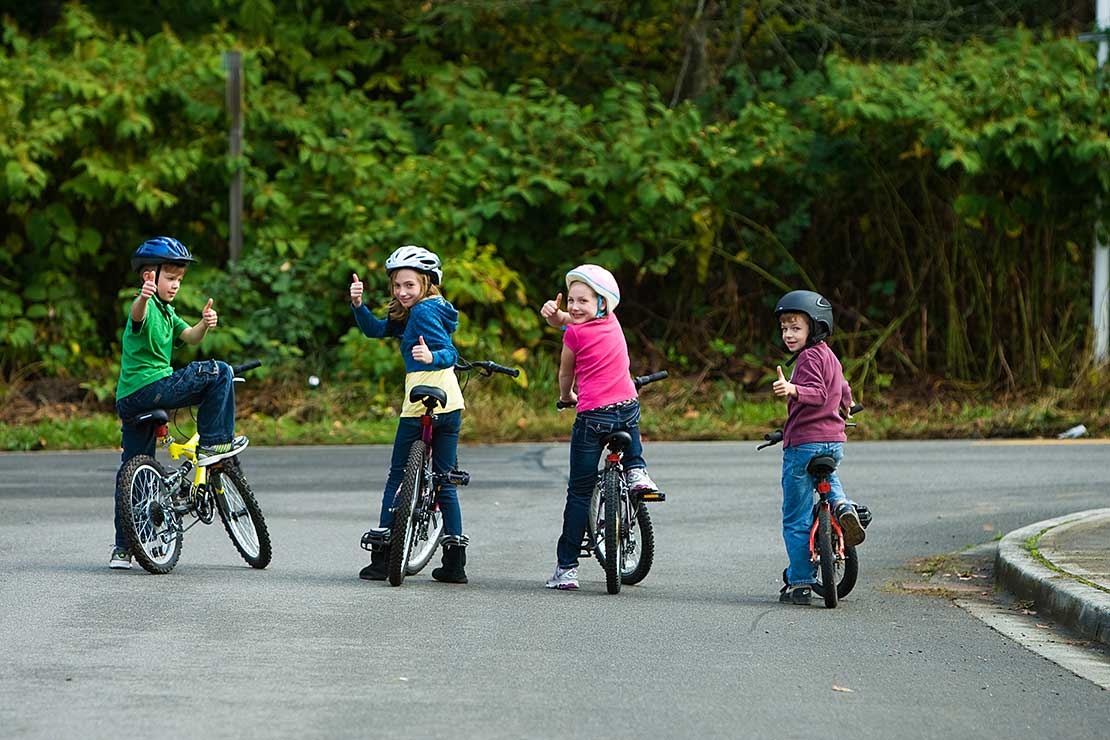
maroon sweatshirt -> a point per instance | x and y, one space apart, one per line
822 391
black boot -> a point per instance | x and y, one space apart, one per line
454 560
379 565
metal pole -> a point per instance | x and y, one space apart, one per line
234 63
1100 307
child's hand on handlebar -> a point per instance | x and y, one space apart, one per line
782 386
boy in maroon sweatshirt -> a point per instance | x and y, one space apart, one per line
818 400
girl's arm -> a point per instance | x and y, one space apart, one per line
372 327
566 375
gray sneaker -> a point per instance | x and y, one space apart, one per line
565 579
214 453
850 524
120 560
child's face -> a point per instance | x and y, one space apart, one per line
408 288
795 330
581 303
169 281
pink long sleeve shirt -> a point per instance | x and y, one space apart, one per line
814 416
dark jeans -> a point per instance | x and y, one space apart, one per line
445 444
205 384
585 452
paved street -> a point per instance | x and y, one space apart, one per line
701 648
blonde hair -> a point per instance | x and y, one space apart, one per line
397 312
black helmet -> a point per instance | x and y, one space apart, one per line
813 305
161 250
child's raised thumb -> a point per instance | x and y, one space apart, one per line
558 300
422 340
354 277
208 305
779 368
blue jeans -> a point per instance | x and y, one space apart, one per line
205 384
585 452
797 504
445 445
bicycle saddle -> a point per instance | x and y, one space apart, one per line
617 441
156 417
821 465
424 393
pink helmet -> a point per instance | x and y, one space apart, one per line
601 281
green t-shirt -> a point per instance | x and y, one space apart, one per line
147 348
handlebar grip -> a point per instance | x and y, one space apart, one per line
643 380
512 372
856 409
238 370
565 405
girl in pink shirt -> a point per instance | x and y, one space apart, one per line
594 375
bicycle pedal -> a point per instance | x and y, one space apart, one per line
653 496
458 477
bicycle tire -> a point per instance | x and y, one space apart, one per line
151 526
826 555
611 482
634 573
426 543
403 529
848 573
241 514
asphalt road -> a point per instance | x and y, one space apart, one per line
701 648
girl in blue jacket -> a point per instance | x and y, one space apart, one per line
424 320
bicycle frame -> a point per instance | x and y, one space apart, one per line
822 489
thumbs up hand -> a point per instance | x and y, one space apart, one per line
782 386
209 315
552 313
356 290
149 286
421 353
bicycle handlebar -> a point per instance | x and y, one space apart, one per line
238 370
487 368
773 438
639 381
643 380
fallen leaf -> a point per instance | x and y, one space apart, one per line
843 689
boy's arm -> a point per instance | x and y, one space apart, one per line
566 375
208 319
809 383
138 308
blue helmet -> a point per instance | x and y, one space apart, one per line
161 250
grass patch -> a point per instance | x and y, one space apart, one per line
499 410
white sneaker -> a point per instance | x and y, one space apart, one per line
215 453
639 480
120 560
565 579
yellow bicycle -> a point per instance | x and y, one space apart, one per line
156 503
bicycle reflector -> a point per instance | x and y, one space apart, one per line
161 431
824 487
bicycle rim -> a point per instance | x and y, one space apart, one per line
151 526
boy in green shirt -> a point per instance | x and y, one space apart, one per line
147 381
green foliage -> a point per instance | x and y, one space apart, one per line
939 200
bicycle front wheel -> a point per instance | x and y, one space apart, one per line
614 560
151 525
638 546
403 531
827 556
241 514
425 542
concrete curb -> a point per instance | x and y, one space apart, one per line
1082 607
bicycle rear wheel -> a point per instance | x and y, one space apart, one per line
151 525
241 514
403 532
613 560
846 572
827 556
